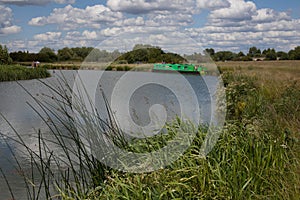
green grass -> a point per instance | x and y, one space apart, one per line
256 157
16 72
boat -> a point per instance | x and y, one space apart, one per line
182 68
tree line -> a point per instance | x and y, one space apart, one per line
140 54
48 55
254 53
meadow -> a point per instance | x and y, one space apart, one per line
256 157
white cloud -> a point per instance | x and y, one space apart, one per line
212 5
146 6
69 18
239 10
35 2
242 25
49 36
269 15
139 21
6 22
89 35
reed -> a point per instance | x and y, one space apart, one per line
16 72
256 157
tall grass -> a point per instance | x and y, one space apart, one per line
256 156
16 72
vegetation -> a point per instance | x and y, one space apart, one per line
256 157
143 53
4 55
148 54
78 54
254 53
15 72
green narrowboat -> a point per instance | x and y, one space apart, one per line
182 68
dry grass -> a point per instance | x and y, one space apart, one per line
266 70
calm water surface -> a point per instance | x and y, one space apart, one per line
15 107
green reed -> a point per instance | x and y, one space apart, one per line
256 156
16 72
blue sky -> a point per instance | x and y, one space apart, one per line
232 25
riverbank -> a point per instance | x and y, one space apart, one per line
17 72
257 155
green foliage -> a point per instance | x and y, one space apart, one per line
224 56
15 72
4 55
22 56
294 54
256 156
282 55
251 160
270 54
150 55
210 51
47 55
254 52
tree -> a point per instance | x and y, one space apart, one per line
270 54
210 51
65 54
294 54
224 56
4 55
47 55
282 55
254 52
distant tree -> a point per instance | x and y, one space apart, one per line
65 54
282 55
47 54
149 55
242 57
294 54
210 51
240 54
224 56
144 46
270 54
254 52
4 55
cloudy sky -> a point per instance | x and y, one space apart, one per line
232 25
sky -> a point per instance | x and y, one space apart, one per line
233 25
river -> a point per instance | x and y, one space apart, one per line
15 107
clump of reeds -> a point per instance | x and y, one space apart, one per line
256 156
16 72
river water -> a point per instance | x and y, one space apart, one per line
17 107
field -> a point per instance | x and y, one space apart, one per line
256 157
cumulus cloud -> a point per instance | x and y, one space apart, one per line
269 15
146 6
242 25
49 36
212 5
239 10
232 24
72 18
6 21
89 34
35 2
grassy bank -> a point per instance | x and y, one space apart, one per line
16 72
256 157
